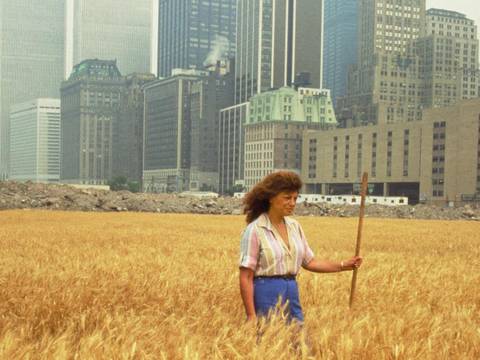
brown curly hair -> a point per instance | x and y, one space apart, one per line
257 200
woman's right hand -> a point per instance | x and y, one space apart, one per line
353 263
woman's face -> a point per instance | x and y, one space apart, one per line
284 202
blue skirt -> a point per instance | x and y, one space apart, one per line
268 291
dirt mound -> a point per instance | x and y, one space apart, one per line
29 195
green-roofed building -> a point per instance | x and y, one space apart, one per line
287 104
275 125
90 108
101 123
95 69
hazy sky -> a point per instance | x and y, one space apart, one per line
471 8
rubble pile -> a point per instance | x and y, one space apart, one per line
29 195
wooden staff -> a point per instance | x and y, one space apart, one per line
359 233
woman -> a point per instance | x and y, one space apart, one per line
273 247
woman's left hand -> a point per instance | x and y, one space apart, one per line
353 263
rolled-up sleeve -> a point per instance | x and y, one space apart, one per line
308 252
249 248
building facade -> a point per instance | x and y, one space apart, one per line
127 137
194 33
340 44
35 141
207 98
289 104
276 40
109 29
91 99
31 58
167 133
421 59
231 148
275 126
450 53
435 160
384 86
180 129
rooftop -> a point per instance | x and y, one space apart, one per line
96 69
446 13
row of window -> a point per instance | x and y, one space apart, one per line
438 158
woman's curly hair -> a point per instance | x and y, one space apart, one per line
257 200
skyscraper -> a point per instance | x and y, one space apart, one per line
276 40
31 58
35 141
385 85
340 44
109 29
167 123
91 99
207 98
450 50
128 132
421 59
194 33
231 148
180 143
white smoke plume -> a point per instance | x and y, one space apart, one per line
219 50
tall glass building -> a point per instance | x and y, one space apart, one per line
340 44
276 40
31 58
109 30
194 33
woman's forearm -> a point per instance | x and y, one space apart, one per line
324 266
246 291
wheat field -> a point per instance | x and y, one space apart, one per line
157 286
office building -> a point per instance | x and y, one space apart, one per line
194 34
231 149
340 44
450 53
275 125
91 99
208 97
35 141
128 131
420 60
276 40
109 29
385 84
435 160
31 58
180 129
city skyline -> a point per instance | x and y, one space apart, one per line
406 62
43 40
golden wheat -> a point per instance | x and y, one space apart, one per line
156 286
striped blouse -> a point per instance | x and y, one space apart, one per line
263 250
